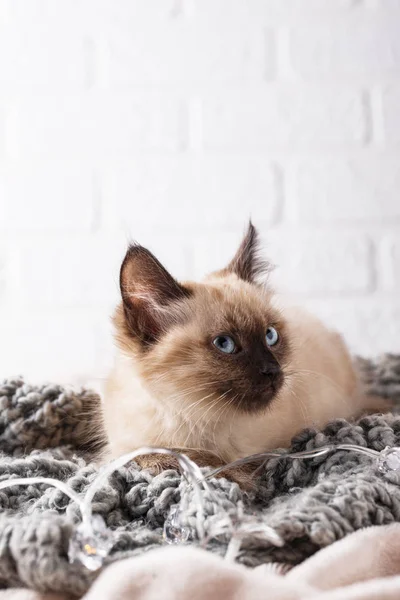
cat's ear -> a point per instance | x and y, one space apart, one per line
248 264
147 290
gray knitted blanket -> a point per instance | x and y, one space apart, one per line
310 504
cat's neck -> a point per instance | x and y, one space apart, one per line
148 421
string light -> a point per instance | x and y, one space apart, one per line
91 541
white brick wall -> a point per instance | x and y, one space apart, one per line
171 122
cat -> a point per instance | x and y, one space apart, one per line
219 369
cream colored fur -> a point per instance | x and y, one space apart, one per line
320 385
171 387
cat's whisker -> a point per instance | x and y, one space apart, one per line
220 411
174 400
182 412
167 374
198 404
300 403
186 416
193 426
341 394
188 390
318 374
208 410
195 423
226 407
232 419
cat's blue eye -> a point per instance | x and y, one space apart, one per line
271 336
225 344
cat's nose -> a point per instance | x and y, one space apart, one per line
270 370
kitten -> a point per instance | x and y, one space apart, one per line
219 368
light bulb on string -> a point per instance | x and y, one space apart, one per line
92 541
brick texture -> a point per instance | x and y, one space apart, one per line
35 68
97 125
154 56
362 189
363 322
390 264
265 11
175 190
3 273
72 275
50 196
323 263
171 122
346 49
2 130
291 118
390 114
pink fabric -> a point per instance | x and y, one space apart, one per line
341 571
362 566
23 594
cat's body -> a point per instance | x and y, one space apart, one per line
175 385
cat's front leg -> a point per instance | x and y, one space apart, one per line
156 463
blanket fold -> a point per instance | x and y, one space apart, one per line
46 430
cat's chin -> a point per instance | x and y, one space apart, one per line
260 398
259 403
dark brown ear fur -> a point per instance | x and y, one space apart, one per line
147 288
247 263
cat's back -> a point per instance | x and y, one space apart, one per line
322 367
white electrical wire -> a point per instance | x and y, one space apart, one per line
189 468
387 460
47 480
303 454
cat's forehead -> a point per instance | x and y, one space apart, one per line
226 306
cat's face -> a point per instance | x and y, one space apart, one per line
216 345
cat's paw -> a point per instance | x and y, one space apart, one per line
157 463
243 476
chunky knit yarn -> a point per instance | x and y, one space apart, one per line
46 431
